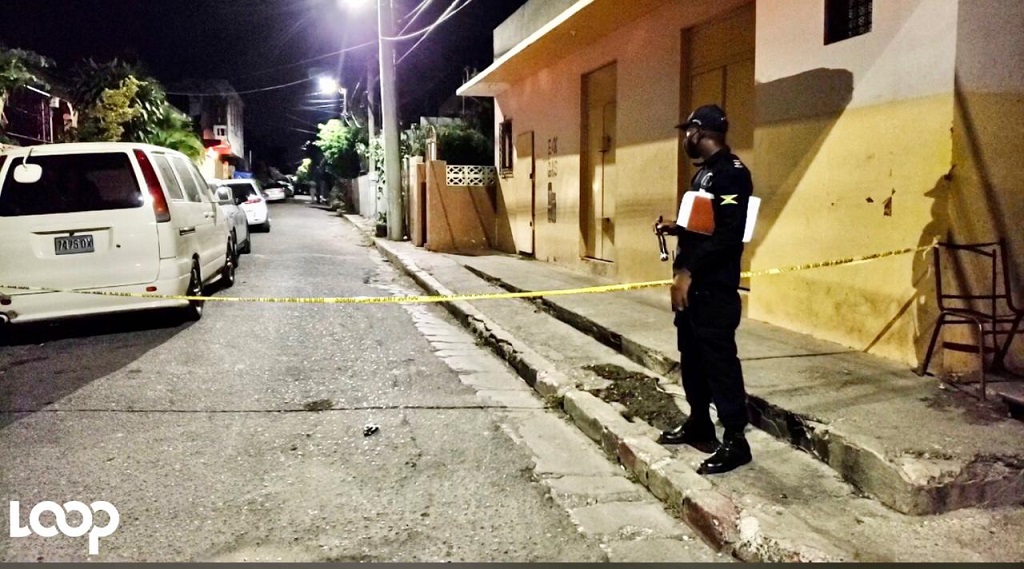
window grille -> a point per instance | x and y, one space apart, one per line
845 19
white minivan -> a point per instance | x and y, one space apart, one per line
106 218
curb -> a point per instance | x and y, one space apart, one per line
714 515
987 481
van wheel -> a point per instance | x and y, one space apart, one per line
194 311
227 274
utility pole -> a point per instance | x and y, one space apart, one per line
389 114
371 99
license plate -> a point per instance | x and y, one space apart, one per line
73 244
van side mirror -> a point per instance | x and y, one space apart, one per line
28 173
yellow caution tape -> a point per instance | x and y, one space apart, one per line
836 262
467 297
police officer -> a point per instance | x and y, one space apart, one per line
705 279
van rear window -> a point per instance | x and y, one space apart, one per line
72 183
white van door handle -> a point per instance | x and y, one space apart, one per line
208 214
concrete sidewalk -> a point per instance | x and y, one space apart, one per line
883 445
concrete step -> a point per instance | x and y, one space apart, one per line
920 478
786 506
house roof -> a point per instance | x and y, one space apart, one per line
582 23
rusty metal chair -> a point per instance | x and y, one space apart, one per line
983 299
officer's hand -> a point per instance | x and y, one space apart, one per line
679 290
666 228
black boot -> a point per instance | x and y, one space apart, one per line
733 453
698 433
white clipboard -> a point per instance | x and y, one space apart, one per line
696 214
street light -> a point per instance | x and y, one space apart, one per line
330 86
353 4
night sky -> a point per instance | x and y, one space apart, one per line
256 44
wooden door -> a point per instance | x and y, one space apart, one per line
526 194
597 195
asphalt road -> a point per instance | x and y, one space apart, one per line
211 440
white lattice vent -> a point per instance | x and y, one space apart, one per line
472 176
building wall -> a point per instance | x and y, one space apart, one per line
852 148
236 127
529 18
987 201
648 59
853 155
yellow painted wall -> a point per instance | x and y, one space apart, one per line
647 57
853 150
855 147
987 201
827 185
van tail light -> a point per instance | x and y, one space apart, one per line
160 209
253 199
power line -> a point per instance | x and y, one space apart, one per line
310 60
415 45
215 93
450 11
415 13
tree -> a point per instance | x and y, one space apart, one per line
457 143
340 146
20 68
121 106
173 129
302 173
463 145
90 79
105 120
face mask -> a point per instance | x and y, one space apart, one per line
690 145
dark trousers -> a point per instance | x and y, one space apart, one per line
711 369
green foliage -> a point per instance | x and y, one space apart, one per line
20 68
457 143
465 146
119 106
340 146
155 114
302 173
105 120
414 141
373 153
173 129
90 79
184 141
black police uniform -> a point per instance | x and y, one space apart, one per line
707 327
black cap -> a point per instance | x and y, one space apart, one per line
707 117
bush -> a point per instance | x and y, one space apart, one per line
339 195
464 146
340 144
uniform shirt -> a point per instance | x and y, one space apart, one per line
714 260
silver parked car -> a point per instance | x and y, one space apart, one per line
249 197
239 222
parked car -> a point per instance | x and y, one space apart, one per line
275 192
239 223
249 196
106 218
301 188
